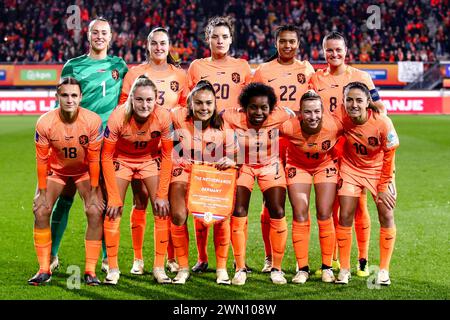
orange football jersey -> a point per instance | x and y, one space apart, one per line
310 152
330 88
257 146
228 78
366 144
171 84
290 82
68 148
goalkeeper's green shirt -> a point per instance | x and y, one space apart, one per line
101 82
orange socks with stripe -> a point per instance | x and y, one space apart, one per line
93 248
387 242
111 231
161 240
138 221
43 246
201 238
238 240
180 238
362 227
265 230
300 240
278 238
222 242
327 238
344 241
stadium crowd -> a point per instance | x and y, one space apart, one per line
415 30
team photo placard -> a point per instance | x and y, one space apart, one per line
211 193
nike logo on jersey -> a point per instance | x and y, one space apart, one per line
140 133
68 138
203 77
53 140
318 90
334 85
270 80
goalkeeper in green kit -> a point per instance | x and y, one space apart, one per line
101 78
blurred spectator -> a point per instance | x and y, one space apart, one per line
36 31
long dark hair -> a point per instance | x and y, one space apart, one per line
279 30
361 86
216 121
170 59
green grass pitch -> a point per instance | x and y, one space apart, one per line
418 269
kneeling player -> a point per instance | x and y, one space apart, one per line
68 141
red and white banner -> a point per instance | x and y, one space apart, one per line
26 102
412 102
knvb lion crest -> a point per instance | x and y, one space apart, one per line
292 172
326 145
301 78
176 172
83 139
175 86
373 141
115 74
236 77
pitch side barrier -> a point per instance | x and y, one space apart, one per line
36 102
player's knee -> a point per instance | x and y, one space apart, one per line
301 216
324 213
345 219
140 203
387 218
94 215
240 211
276 212
179 217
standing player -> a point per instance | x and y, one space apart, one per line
68 142
312 137
131 150
228 75
171 81
289 77
202 137
367 162
256 125
100 77
329 84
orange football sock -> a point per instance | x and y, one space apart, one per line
265 230
278 238
180 239
201 238
161 240
344 241
300 240
170 250
238 240
222 242
327 238
362 227
93 248
111 231
138 221
43 247
387 241
335 223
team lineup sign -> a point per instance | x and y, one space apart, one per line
211 193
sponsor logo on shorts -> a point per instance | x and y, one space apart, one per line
174 85
330 172
176 172
301 78
115 74
292 172
155 134
373 141
326 145
116 165
236 77
83 139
